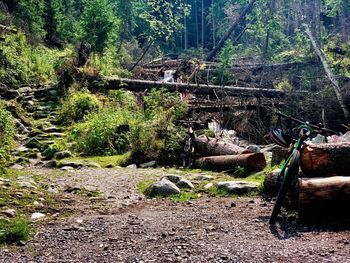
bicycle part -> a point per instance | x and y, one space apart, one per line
291 171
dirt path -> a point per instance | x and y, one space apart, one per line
121 226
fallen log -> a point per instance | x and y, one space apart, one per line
324 199
4 28
213 147
251 161
321 160
201 89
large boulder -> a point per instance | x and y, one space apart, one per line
238 187
162 188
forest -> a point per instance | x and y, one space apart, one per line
117 117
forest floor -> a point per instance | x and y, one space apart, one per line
102 217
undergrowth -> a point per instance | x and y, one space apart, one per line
15 230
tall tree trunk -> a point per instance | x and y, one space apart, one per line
233 27
202 23
213 23
185 30
196 21
272 5
329 73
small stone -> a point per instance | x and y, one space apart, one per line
52 129
52 190
38 205
184 183
10 212
17 167
238 187
37 216
132 166
148 165
162 188
233 204
67 168
202 177
71 164
208 186
93 165
110 165
174 178
51 164
63 155
33 143
27 185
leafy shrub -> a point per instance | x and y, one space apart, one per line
21 63
14 230
103 133
164 108
77 106
7 133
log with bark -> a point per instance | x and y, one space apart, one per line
251 161
214 147
321 160
324 199
141 85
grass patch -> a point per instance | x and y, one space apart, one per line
184 196
143 185
14 230
103 160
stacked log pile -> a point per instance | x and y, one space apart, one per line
324 194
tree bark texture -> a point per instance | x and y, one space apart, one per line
201 89
324 199
251 161
324 160
213 147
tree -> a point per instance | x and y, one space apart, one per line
100 26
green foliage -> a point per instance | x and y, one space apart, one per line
99 134
164 107
227 57
32 15
22 64
99 24
77 106
12 231
7 133
206 132
163 17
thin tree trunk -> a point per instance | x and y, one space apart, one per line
203 46
185 31
268 33
213 23
196 21
143 55
329 73
233 27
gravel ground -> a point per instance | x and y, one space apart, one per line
122 227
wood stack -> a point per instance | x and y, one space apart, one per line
324 194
